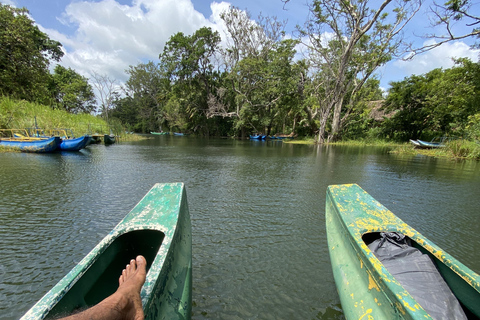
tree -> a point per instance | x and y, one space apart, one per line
72 91
441 102
107 92
189 65
25 55
148 88
347 42
446 15
260 71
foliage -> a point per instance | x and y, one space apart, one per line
147 94
472 128
25 55
72 91
188 62
347 42
261 75
437 103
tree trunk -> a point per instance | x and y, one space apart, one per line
336 119
323 125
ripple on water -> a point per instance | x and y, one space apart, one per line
257 210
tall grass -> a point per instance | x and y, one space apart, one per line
19 114
462 149
456 149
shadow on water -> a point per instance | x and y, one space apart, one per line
257 210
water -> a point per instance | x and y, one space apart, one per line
257 210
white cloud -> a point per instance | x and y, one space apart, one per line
440 57
9 2
110 36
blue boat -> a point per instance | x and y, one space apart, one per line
74 144
178 134
257 137
32 145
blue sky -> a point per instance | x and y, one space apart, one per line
106 36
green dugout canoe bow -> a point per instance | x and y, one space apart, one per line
366 287
158 228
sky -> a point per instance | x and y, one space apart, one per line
107 36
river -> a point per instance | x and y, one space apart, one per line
257 211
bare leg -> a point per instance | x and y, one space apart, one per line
125 303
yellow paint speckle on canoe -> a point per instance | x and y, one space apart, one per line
352 213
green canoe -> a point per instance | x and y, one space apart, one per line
159 229
367 289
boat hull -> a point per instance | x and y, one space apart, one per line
430 145
365 286
74 144
37 146
109 139
159 229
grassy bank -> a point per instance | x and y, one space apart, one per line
19 114
457 149
15 114
353 143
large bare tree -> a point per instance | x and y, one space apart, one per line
447 17
347 41
106 91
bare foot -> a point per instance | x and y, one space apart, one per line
130 284
126 302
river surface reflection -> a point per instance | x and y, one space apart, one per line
257 210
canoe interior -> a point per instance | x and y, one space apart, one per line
465 293
101 279
365 286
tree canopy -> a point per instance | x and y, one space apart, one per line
72 91
440 101
25 55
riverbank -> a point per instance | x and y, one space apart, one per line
20 114
457 149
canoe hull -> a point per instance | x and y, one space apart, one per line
158 228
430 145
365 286
109 139
37 146
74 144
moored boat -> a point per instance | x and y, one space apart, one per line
417 282
426 145
95 138
415 142
108 138
31 145
158 228
159 133
257 137
74 144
